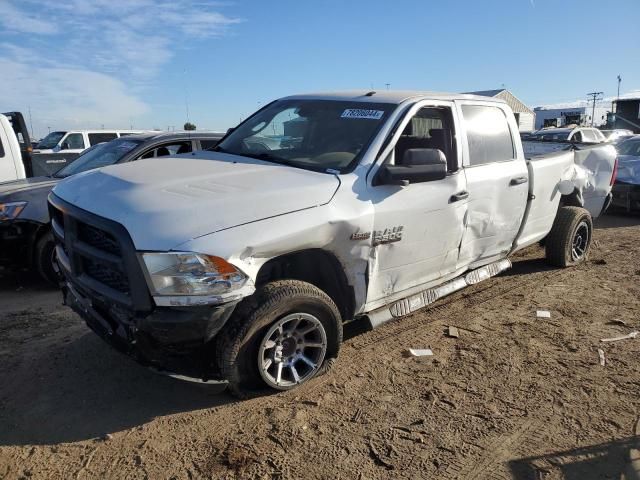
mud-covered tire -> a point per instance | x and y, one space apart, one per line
238 345
44 259
570 237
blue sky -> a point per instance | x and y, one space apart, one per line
88 63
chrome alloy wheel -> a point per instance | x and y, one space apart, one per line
292 350
580 241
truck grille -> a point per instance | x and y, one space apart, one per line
99 239
97 256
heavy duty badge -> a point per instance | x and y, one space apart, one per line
388 235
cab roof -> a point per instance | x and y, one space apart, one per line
390 96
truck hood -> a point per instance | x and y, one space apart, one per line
164 202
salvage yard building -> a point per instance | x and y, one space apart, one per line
525 117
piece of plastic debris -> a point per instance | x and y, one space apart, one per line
453 332
603 362
417 352
623 337
617 321
543 314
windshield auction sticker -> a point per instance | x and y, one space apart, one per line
362 113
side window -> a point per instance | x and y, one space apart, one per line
74 141
207 144
488 134
577 137
431 127
95 138
168 149
1 148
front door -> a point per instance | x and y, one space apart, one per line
497 181
417 228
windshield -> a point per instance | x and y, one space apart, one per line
629 148
311 134
51 140
99 155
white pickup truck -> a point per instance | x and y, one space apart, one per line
241 264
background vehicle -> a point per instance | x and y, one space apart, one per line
22 134
11 162
25 232
59 148
553 139
626 190
242 264
617 135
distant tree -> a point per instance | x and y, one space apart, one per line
189 126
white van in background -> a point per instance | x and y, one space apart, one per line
11 165
75 141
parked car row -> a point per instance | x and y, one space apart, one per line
25 227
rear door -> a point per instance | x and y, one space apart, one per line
497 182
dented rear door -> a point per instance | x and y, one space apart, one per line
497 181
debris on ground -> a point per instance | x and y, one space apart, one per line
617 321
603 362
623 337
417 352
543 314
453 332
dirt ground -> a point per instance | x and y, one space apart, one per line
514 397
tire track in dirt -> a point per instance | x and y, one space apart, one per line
491 464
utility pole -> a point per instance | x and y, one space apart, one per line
387 85
30 121
594 97
619 82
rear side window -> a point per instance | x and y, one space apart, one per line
1 149
95 138
488 135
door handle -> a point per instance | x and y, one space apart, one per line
518 181
459 196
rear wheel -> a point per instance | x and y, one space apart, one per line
284 335
569 241
45 259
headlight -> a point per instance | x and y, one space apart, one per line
191 274
9 211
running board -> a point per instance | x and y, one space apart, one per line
422 299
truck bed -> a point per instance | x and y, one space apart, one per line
597 161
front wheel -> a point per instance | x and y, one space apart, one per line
284 335
45 259
569 241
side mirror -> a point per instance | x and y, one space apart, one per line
418 165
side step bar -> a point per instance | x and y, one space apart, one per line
415 302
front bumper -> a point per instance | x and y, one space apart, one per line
626 196
172 340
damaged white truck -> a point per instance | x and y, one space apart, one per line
241 264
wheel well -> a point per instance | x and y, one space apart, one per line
34 238
574 199
317 267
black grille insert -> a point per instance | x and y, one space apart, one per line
106 274
98 239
